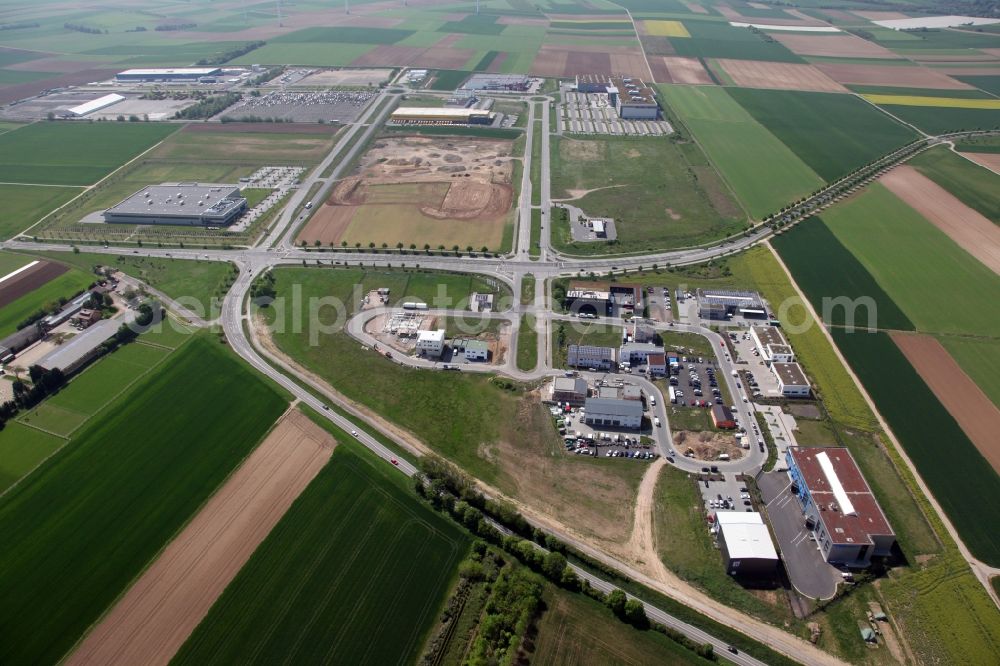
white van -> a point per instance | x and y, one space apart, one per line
656 421
652 400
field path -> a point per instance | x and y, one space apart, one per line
168 601
642 544
976 414
967 227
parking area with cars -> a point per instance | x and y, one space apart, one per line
696 383
581 439
723 492
755 377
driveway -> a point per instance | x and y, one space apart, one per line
807 570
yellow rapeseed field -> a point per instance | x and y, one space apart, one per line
950 102
666 29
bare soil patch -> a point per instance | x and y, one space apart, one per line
891 75
686 70
968 71
879 16
978 417
629 64
328 224
27 281
158 613
989 161
778 75
435 57
695 8
549 63
580 150
497 64
971 230
523 20
262 128
582 62
707 445
845 45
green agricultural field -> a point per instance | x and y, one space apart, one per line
979 144
661 194
832 133
73 153
738 145
356 571
717 39
990 84
980 358
974 185
194 284
566 333
575 629
24 205
448 79
304 148
921 423
47 296
21 449
95 514
826 271
936 283
941 120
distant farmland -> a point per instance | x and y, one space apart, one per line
95 514
354 572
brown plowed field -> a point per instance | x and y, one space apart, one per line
974 233
891 75
778 75
150 623
21 90
847 46
879 16
695 8
685 70
437 57
29 280
989 161
968 71
978 417
559 60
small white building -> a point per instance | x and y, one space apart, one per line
771 344
430 343
792 381
745 543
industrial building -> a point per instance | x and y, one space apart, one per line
656 364
472 349
592 83
636 353
771 344
419 115
572 390
604 298
182 204
792 381
430 343
722 417
588 356
839 507
745 543
72 355
173 74
85 109
725 304
613 412
633 99
497 82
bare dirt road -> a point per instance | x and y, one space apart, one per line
158 613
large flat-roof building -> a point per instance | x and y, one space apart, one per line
633 99
183 204
771 344
447 115
745 543
840 509
613 412
792 381
430 343
72 355
154 75
85 109
572 390
636 353
589 356
497 82
607 298
724 303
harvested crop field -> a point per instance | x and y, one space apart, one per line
976 414
561 60
833 46
989 161
677 69
778 75
899 76
29 279
421 190
260 128
154 618
434 57
968 228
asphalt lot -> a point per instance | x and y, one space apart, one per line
807 571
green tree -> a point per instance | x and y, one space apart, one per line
635 614
553 566
616 602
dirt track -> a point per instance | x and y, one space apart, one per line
974 233
150 623
978 417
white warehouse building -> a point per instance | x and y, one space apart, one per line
430 343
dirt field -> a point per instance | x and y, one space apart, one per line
974 233
695 8
847 46
677 69
21 90
154 618
436 57
559 60
345 77
974 411
261 128
439 191
990 161
778 75
879 16
29 280
707 445
891 75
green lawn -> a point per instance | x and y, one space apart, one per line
661 194
24 205
974 185
831 132
192 283
355 571
73 153
47 296
528 290
935 283
527 343
97 512
738 145
254 195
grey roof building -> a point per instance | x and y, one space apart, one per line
613 412
184 204
70 356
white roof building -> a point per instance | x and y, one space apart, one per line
93 105
430 343
745 543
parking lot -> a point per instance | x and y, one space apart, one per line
304 107
697 383
659 304
581 439
748 360
723 492
591 113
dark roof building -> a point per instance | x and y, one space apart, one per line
722 417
